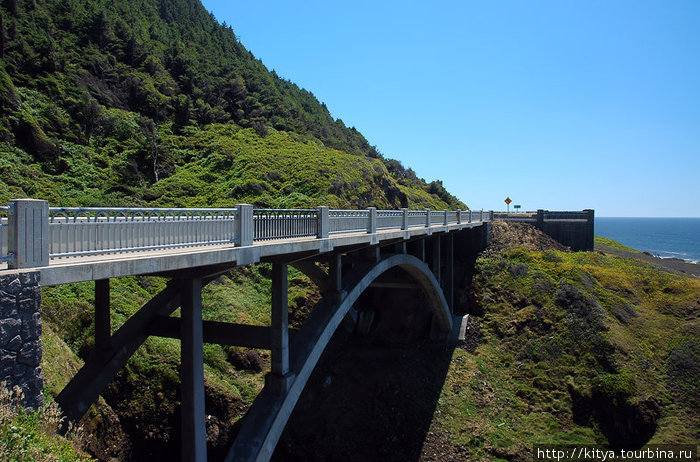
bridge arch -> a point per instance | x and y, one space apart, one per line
270 412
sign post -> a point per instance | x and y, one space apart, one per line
508 201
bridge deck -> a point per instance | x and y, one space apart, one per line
94 267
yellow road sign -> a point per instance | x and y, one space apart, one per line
508 201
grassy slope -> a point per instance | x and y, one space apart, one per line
561 329
154 104
146 393
219 165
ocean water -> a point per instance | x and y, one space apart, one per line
662 237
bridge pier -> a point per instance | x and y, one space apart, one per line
103 322
280 378
435 250
449 271
194 432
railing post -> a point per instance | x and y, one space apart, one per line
28 236
372 225
470 215
244 226
427 218
323 222
459 217
491 215
446 219
404 218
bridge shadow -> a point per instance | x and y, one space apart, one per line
372 397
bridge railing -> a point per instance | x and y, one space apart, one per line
347 221
80 231
32 233
416 218
390 219
284 223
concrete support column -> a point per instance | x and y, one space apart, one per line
400 247
335 273
280 378
371 253
323 222
245 231
449 270
103 322
372 224
435 258
28 233
194 432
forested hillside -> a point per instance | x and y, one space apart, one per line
153 103
140 102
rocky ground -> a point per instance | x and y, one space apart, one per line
508 235
673 265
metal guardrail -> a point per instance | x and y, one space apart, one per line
44 233
284 223
388 219
344 221
416 218
4 234
76 231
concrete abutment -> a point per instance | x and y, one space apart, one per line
20 336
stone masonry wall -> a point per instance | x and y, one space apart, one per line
20 335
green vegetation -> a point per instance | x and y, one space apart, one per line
145 393
575 348
30 436
605 242
155 103
141 103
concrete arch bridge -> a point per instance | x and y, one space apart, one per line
343 251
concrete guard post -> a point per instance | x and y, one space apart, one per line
323 222
372 224
28 237
20 336
245 230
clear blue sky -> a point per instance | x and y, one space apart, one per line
560 105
